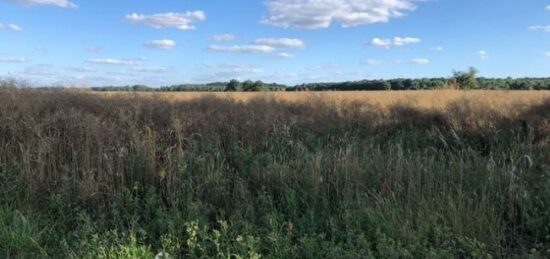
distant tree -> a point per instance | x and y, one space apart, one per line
233 86
466 80
248 86
257 86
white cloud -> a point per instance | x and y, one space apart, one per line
12 60
119 62
420 61
373 62
318 14
438 48
56 3
547 8
83 69
281 42
150 69
11 27
14 27
180 21
482 54
547 54
224 37
285 55
544 28
395 42
242 48
164 44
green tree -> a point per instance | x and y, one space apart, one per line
466 80
233 86
248 86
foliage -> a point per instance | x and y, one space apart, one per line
461 80
466 80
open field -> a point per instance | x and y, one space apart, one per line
427 174
424 99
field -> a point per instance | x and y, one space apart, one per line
419 174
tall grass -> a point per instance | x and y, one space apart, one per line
129 176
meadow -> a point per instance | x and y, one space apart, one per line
419 174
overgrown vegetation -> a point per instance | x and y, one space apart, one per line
131 176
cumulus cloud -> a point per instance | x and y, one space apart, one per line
11 27
420 61
118 62
544 28
242 48
56 3
224 37
164 44
482 54
395 42
180 21
438 48
318 14
281 42
285 55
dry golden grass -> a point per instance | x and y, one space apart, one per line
430 99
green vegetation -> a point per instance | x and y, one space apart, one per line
466 80
129 176
460 80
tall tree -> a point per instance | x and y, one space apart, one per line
233 86
466 80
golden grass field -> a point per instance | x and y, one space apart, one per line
428 99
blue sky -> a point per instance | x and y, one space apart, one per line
163 42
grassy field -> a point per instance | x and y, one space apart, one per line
427 174
439 99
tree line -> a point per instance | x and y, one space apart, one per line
465 80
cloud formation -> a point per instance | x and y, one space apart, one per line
285 55
12 60
395 42
544 28
224 37
11 27
438 48
242 48
281 42
373 62
180 21
164 44
118 62
318 14
156 70
420 61
482 54
56 3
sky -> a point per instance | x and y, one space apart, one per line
165 42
